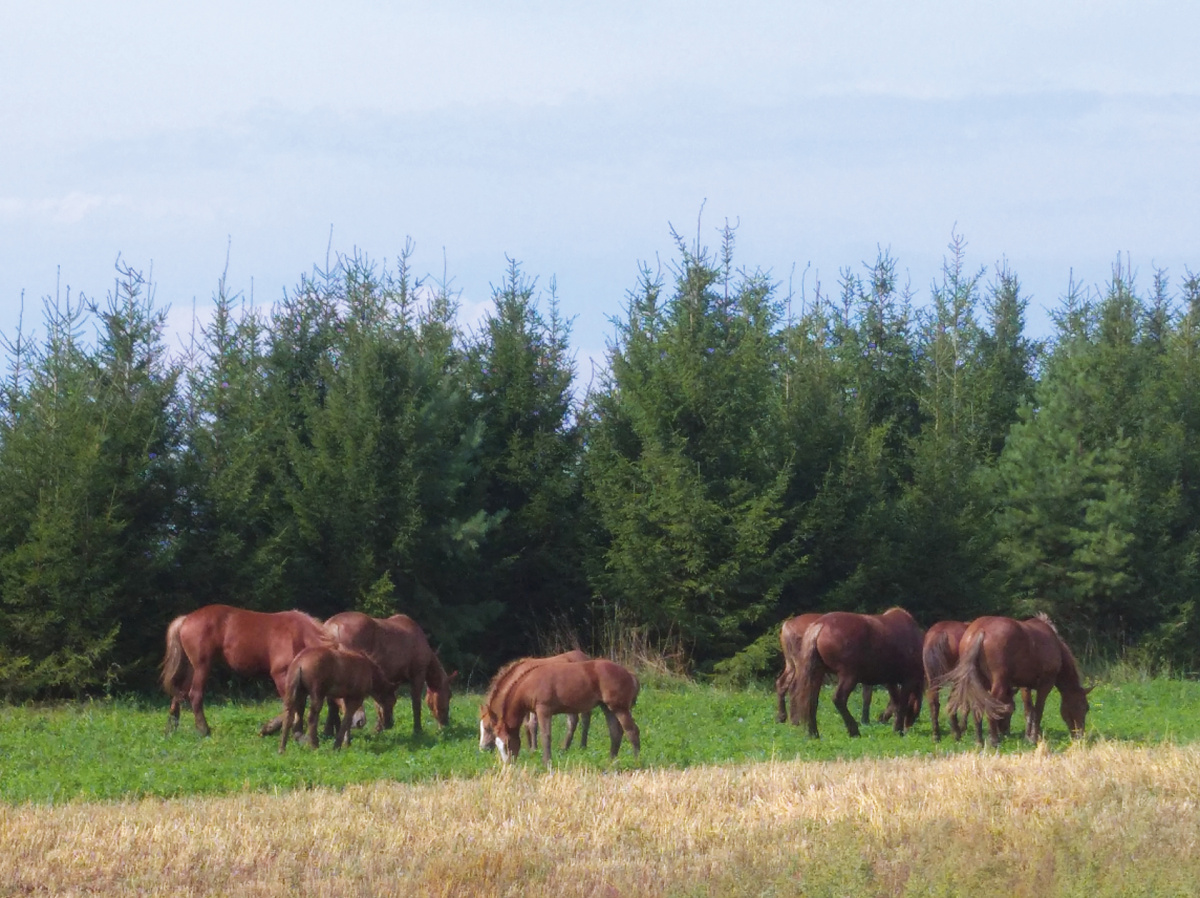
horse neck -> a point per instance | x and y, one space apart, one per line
435 674
1068 673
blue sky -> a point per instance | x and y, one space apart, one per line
571 137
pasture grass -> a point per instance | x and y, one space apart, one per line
116 749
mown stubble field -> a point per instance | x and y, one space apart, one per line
1094 821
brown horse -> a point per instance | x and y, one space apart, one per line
251 643
997 655
791 635
567 688
879 649
399 646
498 689
327 673
940 655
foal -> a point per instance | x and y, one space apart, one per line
330 673
566 688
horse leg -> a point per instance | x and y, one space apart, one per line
1039 705
343 736
933 697
416 705
979 728
196 694
631 730
280 677
544 718
781 689
841 694
583 733
572 723
866 708
530 727
1027 704
958 725
289 714
333 718
314 716
614 732
997 725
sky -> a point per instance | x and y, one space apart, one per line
184 138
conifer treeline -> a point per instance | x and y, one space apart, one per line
746 456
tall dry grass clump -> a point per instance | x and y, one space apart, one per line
1093 821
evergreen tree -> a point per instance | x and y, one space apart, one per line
685 468
89 449
521 375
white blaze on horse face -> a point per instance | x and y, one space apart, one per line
487 740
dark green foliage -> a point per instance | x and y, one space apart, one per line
87 492
742 460
685 466
521 375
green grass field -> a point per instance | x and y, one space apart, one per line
103 750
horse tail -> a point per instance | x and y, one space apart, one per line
294 689
176 666
807 680
935 655
970 690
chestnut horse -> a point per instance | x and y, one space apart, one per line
940 655
567 688
328 673
791 634
251 643
399 646
997 655
878 649
498 689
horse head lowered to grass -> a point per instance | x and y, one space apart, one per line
997 655
400 647
497 691
567 688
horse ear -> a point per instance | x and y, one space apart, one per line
1089 689
453 677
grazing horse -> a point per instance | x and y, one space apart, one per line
940 655
879 649
997 655
327 673
498 689
567 688
251 643
399 646
791 635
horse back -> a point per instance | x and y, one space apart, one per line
874 650
397 644
563 687
1017 653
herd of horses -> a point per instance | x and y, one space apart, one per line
341 662
982 664
352 656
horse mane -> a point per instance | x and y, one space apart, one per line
520 675
1045 619
500 677
435 674
328 637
